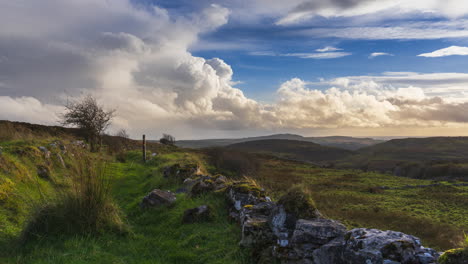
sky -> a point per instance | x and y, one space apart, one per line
237 68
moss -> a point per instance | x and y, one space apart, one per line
454 256
299 203
208 181
248 206
247 187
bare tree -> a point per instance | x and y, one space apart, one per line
167 139
91 117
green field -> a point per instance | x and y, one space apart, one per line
435 214
438 214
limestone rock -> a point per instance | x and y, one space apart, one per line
317 232
377 246
158 197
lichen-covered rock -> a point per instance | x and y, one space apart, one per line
256 232
198 214
245 193
332 252
377 246
317 232
454 256
158 197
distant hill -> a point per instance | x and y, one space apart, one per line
349 143
431 157
292 149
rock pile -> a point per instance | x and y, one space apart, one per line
292 230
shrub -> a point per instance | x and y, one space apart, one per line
167 139
299 202
84 207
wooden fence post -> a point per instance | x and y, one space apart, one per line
144 149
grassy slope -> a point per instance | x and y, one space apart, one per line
413 149
438 215
157 235
293 149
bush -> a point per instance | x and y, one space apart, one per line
84 207
299 203
167 139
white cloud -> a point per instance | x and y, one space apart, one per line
320 55
371 102
307 9
377 54
450 51
328 49
404 30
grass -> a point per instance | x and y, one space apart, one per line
156 235
84 207
438 215
435 214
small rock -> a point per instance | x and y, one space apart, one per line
59 157
43 172
45 151
198 214
158 197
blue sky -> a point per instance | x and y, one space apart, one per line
224 68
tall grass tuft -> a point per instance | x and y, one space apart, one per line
85 206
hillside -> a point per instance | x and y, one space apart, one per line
433 212
292 149
431 157
349 143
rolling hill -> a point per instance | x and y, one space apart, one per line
431 157
350 143
293 149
